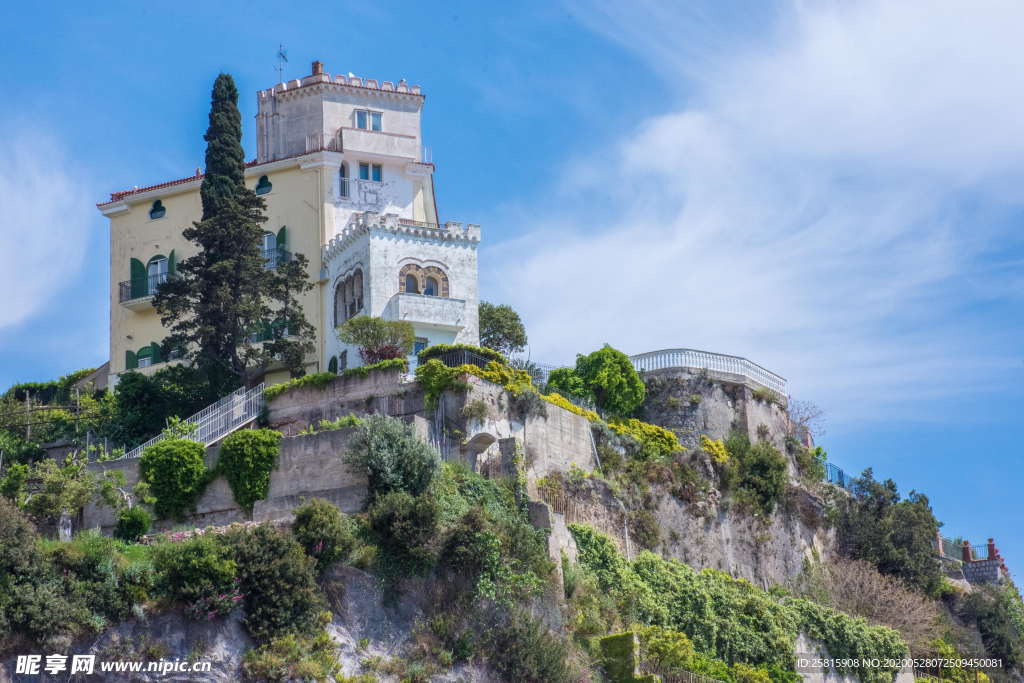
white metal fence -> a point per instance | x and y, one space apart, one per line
217 420
692 358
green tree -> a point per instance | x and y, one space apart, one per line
612 379
501 328
225 298
894 534
393 458
378 339
566 382
143 405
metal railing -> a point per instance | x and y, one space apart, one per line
707 360
952 549
140 288
217 420
979 552
275 256
837 476
457 357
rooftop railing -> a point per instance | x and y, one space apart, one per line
707 360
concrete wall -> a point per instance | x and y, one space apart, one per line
309 466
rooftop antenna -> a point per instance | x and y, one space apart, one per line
282 59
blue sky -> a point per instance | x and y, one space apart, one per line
832 189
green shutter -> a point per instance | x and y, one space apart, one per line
156 352
140 287
282 238
172 264
332 366
130 362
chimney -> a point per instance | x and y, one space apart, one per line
318 68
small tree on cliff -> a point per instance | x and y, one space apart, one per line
501 328
607 376
225 298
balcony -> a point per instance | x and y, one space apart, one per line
276 256
428 311
137 294
381 143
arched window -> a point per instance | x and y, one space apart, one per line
343 180
411 286
357 292
343 361
157 210
156 273
430 287
348 297
264 185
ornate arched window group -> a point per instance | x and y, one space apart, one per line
348 296
428 280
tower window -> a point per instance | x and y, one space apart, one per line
430 288
264 185
156 273
157 210
411 286
343 180
368 120
368 171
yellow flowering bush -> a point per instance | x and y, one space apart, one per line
715 448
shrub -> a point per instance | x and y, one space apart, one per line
278 580
522 649
655 441
763 475
611 378
645 528
324 532
378 339
316 379
176 473
436 378
476 410
566 382
766 395
247 458
811 463
393 458
132 523
405 526
293 658
194 569
997 612
441 349
12 485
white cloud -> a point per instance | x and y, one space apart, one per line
46 217
832 202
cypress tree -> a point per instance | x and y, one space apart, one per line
224 299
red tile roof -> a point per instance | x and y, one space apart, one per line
118 196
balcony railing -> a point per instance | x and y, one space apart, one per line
276 256
692 358
140 288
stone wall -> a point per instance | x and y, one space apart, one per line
309 466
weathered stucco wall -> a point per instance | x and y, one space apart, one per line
309 466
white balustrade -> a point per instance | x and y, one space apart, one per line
706 360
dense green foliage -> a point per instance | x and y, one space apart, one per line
393 458
322 379
293 657
326 534
999 614
607 376
404 526
378 339
656 442
53 391
176 474
224 295
143 404
896 535
194 570
756 471
278 581
132 523
501 328
726 618
61 488
247 457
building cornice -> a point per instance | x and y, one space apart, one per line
319 83
371 223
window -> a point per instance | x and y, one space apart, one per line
343 181
411 286
270 250
145 361
430 288
264 185
419 345
368 120
348 297
157 210
156 273
343 361
368 171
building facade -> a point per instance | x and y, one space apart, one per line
340 163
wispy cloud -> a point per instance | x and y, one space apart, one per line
46 215
835 200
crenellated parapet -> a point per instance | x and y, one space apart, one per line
370 221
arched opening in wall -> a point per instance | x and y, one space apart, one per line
343 361
411 286
264 185
343 181
439 278
348 297
157 210
430 288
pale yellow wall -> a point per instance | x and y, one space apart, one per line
296 201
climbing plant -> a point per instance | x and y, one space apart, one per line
247 458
